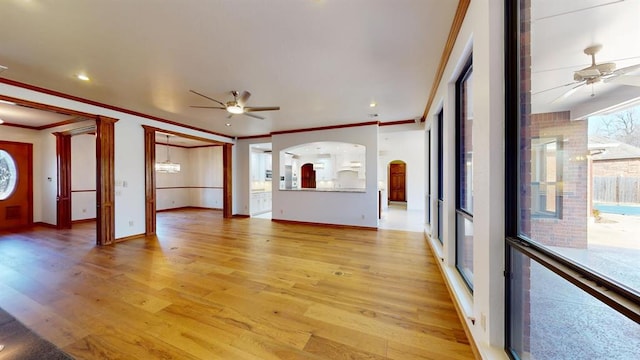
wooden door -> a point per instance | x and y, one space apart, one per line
397 182
16 184
308 177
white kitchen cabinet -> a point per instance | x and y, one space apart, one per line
260 202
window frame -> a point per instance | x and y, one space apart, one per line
440 207
461 214
599 286
428 168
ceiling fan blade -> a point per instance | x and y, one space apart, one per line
631 80
569 92
206 97
627 69
261 108
253 116
207 107
243 98
556 87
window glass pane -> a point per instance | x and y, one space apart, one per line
8 175
428 156
579 173
440 217
464 247
464 174
552 319
465 144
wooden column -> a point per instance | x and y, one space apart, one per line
63 197
105 180
227 197
150 179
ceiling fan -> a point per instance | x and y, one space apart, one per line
597 72
237 105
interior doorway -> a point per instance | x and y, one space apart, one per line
103 128
151 135
397 181
104 152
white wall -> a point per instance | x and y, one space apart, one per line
172 189
342 208
482 34
199 182
407 146
83 177
206 177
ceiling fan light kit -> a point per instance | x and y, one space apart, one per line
235 109
237 105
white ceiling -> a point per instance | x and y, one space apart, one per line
10 113
561 30
321 61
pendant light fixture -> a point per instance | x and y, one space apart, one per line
167 166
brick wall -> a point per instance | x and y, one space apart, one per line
617 167
570 228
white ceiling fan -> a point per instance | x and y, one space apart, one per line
597 72
237 105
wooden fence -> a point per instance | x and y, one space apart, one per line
616 189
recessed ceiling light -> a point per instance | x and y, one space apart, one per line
83 77
228 124
373 104
1 121
7 102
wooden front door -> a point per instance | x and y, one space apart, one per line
16 184
397 182
308 177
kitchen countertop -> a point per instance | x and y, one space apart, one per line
350 190
259 191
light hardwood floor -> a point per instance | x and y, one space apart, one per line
214 288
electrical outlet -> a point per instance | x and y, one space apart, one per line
483 321
130 222
84 210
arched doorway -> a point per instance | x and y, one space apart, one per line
397 181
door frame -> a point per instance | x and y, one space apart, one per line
105 169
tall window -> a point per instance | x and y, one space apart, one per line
572 278
428 154
440 176
464 174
